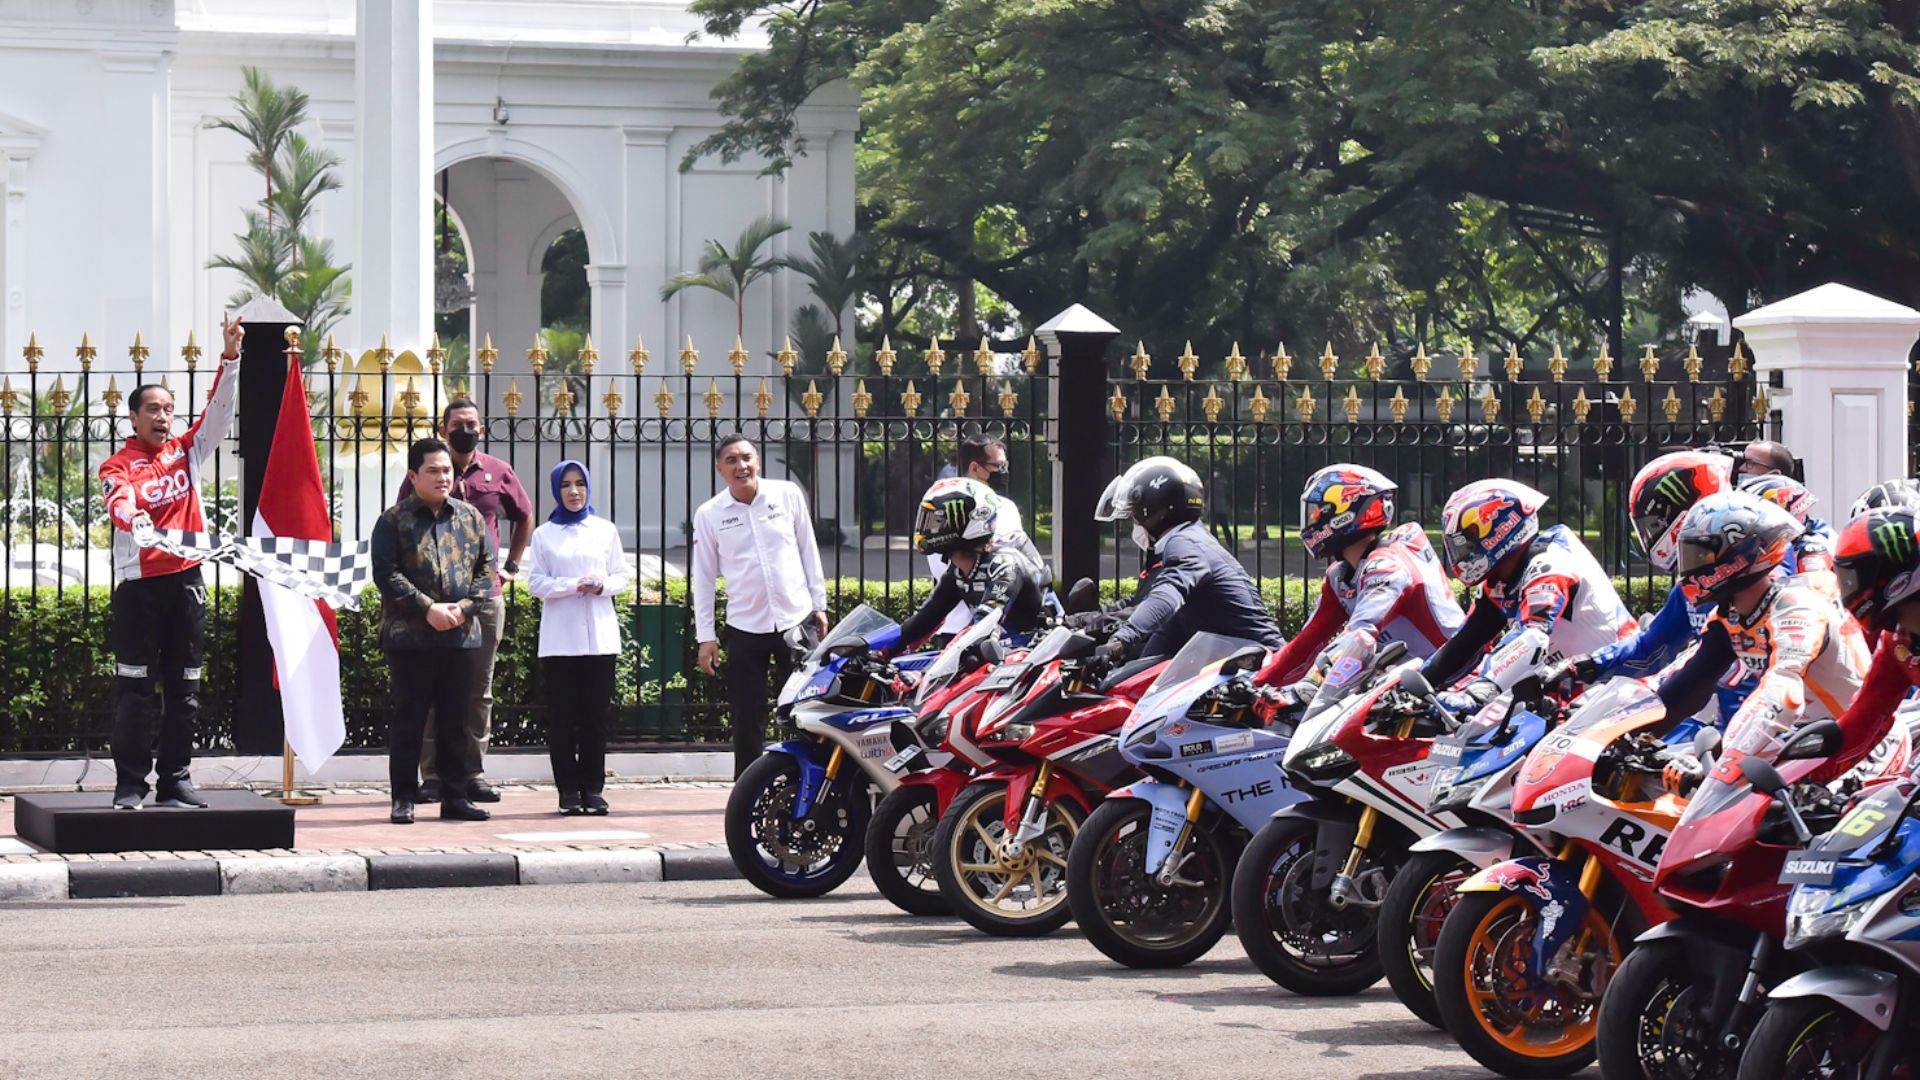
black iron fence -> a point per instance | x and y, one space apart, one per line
863 437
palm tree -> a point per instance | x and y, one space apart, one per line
315 290
268 114
263 259
833 274
301 173
731 272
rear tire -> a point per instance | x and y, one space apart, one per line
1289 931
1415 907
780 856
1805 1038
1480 985
900 850
1025 897
1129 916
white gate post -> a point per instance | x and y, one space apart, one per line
1842 355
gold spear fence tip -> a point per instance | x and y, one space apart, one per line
1031 356
1008 399
1259 406
1399 404
589 356
86 353
910 400
1329 363
1282 363
983 357
638 356
1469 362
763 398
714 399
9 397
1557 364
737 356
936 356
1375 363
1421 362
1236 364
787 357
1603 364
883 359
331 353
1693 364
1164 405
1536 406
862 399
436 356
563 398
58 396
1303 405
1628 406
1351 403
663 399
1649 365
512 398
1582 405
613 399
537 355
489 355
1211 404
1737 363
1117 405
1717 405
689 356
1188 362
1443 405
1761 403
1671 406
138 352
1490 405
959 399
1139 361
111 395
1514 364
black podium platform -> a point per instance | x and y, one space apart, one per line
85 822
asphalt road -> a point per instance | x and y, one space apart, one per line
693 979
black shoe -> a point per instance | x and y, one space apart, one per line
402 812
570 803
481 791
181 795
128 800
461 810
429 791
595 804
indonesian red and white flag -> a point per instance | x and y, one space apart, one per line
305 637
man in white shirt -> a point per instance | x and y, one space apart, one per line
984 458
758 535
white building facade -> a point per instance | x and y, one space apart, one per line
549 114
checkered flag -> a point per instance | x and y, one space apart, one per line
316 569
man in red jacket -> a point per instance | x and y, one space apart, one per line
159 599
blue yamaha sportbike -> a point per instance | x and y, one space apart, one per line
797 818
1854 915
1150 871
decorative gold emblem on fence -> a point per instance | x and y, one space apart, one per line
936 357
737 357
1375 364
1188 362
1282 363
1139 361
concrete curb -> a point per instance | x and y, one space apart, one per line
268 874
698 864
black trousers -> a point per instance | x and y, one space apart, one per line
159 637
750 657
436 681
579 695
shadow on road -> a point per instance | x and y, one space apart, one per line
1090 970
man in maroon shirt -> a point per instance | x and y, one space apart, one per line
490 485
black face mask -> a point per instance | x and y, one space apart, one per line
998 480
463 441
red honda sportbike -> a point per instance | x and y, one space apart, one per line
1000 851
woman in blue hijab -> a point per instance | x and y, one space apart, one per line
576 567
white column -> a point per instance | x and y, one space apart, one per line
1842 355
393 171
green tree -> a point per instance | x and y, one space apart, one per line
276 257
732 271
833 272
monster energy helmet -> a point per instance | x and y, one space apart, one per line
955 513
1662 493
1878 564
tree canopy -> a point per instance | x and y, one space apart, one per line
1292 169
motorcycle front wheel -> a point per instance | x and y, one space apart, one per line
1650 1021
790 858
1493 1007
1809 1038
1129 915
1415 907
997 893
1289 929
900 850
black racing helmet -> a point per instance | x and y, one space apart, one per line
1161 492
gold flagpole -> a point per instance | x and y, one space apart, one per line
287 794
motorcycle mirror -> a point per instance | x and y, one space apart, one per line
1248 659
1390 655
1762 775
1706 743
1415 683
991 651
1816 740
1077 647
1083 597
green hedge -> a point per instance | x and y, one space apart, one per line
58 674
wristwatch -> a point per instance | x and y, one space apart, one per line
510 566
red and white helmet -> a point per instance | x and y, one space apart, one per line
1485 522
1662 493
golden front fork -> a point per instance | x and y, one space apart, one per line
833 763
1590 877
1196 802
1362 836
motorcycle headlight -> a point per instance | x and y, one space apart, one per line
1011 733
1145 733
1447 794
1325 761
1805 923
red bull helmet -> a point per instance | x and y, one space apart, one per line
1782 491
1729 540
1485 522
1341 503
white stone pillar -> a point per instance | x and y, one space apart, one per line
393 172
1842 355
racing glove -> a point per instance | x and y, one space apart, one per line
1683 773
1569 675
1469 699
1275 703
1111 652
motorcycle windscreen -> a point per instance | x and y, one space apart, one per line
947 664
861 624
1185 675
